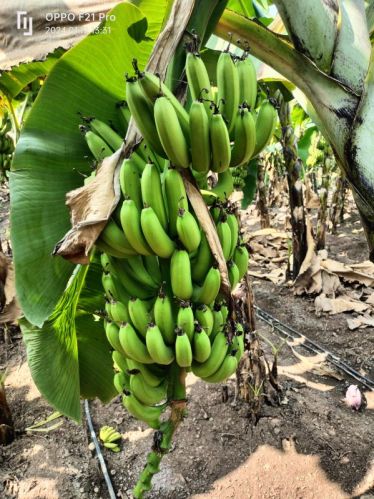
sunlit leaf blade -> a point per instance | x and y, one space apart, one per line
51 155
14 80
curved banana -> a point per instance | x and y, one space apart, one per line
142 111
163 314
110 250
176 197
130 221
183 349
132 345
119 361
203 260
152 192
112 334
148 395
247 81
152 266
241 258
244 138
129 280
201 345
158 350
188 230
233 273
121 381
228 88
98 147
148 414
124 115
224 235
149 376
218 323
220 143
155 235
218 353
139 315
141 273
227 368
114 236
119 312
210 288
234 228
265 125
180 275
199 134
205 318
170 133
185 319
225 185
198 79
129 180
107 133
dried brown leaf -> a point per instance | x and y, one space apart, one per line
362 322
349 272
9 308
338 305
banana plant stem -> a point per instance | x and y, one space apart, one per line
163 438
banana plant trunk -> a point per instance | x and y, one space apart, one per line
295 187
262 204
334 78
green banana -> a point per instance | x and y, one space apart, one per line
224 235
227 368
130 221
199 133
265 125
247 81
234 229
120 361
148 395
112 446
201 345
112 334
148 414
225 185
111 137
141 273
114 237
119 312
176 197
152 266
121 381
180 275
233 273
106 248
208 292
188 230
218 323
129 180
132 345
245 137
97 145
152 192
220 143
159 351
241 258
205 318
185 319
139 315
183 349
163 314
124 115
114 289
149 376
215 359
225 313
142 111
239 335
171 134
198 79
228 88
202 261
129 280
153 87
155 235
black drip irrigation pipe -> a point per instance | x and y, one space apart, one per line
100 456
312 346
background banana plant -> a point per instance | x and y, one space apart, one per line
327 54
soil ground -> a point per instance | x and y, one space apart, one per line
310 446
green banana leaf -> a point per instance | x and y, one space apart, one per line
65 354
51 156
14 80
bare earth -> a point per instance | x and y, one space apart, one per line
311 446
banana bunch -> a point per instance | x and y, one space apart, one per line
110 437
6 144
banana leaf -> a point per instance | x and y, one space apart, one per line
52 157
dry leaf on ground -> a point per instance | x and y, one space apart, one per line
338 305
